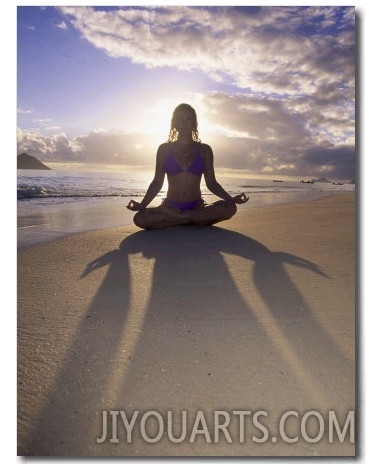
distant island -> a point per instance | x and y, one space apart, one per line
25 161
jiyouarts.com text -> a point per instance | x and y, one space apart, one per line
236 426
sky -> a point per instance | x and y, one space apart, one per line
273 86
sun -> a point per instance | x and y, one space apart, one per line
158 117
152 118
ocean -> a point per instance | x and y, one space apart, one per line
51 204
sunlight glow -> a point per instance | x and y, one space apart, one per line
141 278
154 119
276 334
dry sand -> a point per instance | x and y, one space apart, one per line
255 314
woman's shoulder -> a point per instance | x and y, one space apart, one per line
165 145
204 145
205 149
164 149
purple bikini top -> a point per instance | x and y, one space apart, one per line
197 166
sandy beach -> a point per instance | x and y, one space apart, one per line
256 314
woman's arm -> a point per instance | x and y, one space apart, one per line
212 184
156 184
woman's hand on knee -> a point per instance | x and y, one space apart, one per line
134 206
241 198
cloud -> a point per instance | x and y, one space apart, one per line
23 111
96 147
54 147
266 136
43 122
62 25
331 160
292 70
274 49
280 136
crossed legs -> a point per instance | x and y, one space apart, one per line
162 216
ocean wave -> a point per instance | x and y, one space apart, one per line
27 192
87 185
30 192
272 187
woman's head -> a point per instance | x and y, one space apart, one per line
184 121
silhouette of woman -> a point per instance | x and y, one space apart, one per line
183 158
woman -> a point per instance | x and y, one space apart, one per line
184 159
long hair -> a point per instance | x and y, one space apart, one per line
173 133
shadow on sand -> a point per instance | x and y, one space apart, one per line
200 342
